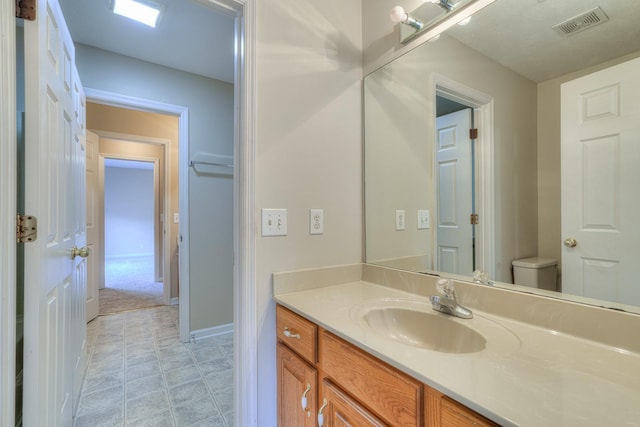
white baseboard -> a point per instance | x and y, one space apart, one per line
174 301
211 332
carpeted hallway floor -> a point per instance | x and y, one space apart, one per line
129 286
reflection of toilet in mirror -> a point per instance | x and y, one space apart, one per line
536 272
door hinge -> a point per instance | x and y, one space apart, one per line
473 133
474 219
26 228
26 9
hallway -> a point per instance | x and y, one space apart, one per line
140 374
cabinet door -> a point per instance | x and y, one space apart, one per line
454 414
342 411
297 385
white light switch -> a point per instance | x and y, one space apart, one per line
400 220
176 217
274 222
316 221
424 219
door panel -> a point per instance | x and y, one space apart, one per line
93 225
454 193
53 325
600 153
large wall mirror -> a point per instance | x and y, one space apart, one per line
511 73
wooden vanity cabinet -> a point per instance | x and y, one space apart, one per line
297 376
442 411
296 380
342 410
350 386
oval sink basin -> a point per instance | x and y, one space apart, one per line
425 330
415 323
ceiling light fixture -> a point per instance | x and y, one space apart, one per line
144 12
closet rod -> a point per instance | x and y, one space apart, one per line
193 163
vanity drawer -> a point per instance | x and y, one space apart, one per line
297 333
389 393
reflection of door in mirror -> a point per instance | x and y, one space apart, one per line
454 177
600 155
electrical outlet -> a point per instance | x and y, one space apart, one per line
274 222
424 219
400 220
316 221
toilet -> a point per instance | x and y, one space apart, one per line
536 272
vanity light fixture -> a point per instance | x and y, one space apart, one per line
423 23
143 12
445 4
398 14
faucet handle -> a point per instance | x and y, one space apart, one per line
445 287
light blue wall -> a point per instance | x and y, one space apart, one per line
210 104
128 212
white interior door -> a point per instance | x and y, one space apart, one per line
600 173
454 175
93 225
54 281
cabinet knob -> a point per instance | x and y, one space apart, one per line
290 333
320 415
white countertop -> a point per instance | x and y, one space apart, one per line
536 377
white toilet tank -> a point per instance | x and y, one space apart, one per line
536 272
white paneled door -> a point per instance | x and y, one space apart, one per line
600 180
55 280
454 174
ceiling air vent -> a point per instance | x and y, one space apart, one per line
584 21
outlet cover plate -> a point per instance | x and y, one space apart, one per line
316 221
274 222
400 220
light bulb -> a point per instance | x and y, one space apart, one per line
398 14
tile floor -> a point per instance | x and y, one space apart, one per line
140 374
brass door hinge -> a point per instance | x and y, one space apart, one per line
26 9
26 228
473 133
474 219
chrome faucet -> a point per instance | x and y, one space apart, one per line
446 301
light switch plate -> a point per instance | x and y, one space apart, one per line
176 218
400 220
316 221
424 219
274 222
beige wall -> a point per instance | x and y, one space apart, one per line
309 149
404 97
131 122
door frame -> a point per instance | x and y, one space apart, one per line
133 103
166 287
165 207
245 292
8 206
482 105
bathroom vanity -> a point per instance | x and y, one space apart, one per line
360 345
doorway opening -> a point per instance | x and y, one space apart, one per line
478 107
455 185
133 267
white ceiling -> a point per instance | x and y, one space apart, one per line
518 34
190 36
